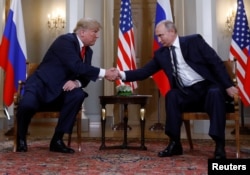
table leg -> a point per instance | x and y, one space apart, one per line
120 126
125 119
142 121
103 122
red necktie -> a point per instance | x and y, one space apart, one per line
83 52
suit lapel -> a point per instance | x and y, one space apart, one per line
166 59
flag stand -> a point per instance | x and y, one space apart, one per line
157 126
10 132
6 112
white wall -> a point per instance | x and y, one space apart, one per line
94 9
38 35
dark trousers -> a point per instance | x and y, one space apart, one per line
68 103
212 99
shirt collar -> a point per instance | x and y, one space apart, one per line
176 42
80 42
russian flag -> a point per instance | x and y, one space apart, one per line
163 12
13 52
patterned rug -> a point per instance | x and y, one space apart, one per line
92 161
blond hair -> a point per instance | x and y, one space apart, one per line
87 23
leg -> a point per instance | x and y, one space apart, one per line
176 101
71 104
125 120
79 130
187 127
173 114
173 124
103 121
26 109
142 121
215 107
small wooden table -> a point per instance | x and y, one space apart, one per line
142 100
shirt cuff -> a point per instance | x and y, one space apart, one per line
102 73
79 83
123 75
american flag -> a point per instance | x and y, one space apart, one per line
126 46
239 50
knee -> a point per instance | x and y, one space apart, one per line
171 95
78 94
26 105
214 91
215 97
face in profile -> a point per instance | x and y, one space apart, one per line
89 36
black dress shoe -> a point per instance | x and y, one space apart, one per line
21 145
219 152
59 146
173 148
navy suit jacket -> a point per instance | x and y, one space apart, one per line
197 54
61 63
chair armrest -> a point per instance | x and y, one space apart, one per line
17 95
236 102
16 98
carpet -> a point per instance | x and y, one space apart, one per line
92 161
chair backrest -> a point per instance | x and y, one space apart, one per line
31 67
230 69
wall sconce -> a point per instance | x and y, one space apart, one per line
230 19
56 20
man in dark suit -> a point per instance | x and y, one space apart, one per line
59 81
196 75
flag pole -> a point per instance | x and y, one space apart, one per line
158 126
243 129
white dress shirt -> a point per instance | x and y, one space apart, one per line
102 71
187 75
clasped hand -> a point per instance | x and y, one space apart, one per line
232 91
112 74
70 85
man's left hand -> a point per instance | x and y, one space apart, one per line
70 85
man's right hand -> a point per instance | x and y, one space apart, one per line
112 74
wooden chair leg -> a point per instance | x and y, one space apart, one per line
79 131
15 134
188 131
237 138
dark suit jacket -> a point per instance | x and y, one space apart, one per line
61 63
197 54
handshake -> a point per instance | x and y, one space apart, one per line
112 74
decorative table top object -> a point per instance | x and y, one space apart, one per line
124 90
